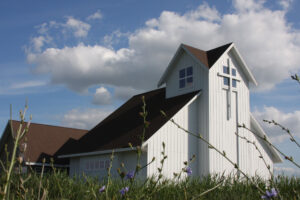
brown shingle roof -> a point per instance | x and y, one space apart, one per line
208 58
126 125
45 140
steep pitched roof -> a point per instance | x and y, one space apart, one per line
125 125
43 141
208 59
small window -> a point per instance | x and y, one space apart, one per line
233 72
189 71
226 81
107 164
182 73
101 164
186 77
233 83
225 70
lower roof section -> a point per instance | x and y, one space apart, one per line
125 125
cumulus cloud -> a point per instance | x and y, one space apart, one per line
38 42
266 40
96 15
289 120
102 96
84 119
80 28
285 4
125 93
290 171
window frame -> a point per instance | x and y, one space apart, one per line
183 81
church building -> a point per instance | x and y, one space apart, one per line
205 92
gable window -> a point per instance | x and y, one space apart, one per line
226 80
225 70
233 72
186 77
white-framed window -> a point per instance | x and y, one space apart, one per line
226 80
186 77
96 164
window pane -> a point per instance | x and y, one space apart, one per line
189 71
182 73
233 71
107 164
189 80
226 81
233 83
101 164
182 83
225 70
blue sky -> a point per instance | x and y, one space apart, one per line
77 61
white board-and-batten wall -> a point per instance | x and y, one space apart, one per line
222 129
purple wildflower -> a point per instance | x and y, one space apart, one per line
189 171
270 194
124 190
102 189
130 175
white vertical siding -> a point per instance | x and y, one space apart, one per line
200 76
179 145
259 167
222 130
78 164
172 81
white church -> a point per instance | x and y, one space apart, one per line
207 93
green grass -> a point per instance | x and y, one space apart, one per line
59 186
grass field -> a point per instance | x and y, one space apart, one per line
59 186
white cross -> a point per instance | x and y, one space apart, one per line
229 90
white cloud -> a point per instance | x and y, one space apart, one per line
84 119
289 171
102 96
125 93
80 28
268 43
289 120
96 15
27 84
38 42
285 4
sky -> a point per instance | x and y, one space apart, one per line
77 61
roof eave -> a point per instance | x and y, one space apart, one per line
162 79
245 66
276 157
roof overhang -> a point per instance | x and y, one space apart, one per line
243 64
94 153
275 155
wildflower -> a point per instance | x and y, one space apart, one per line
270 194
130 175
102 189
124 190
189 171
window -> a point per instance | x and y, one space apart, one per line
233 72
233 83
225 70
226 81
186 77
